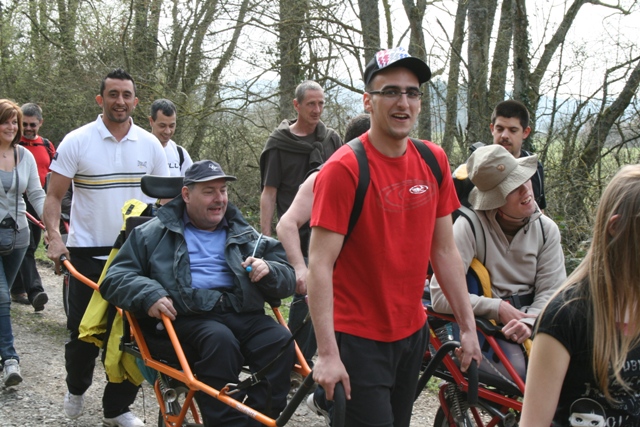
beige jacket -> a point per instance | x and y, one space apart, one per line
523 266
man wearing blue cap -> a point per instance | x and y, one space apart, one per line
191 263
365 292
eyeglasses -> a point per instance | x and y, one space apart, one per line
29 125
397 93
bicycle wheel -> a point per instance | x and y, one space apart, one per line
441 420
468 420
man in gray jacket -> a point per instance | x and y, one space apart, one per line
201 264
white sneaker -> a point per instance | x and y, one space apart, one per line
315 407
11 373
73 405
124 420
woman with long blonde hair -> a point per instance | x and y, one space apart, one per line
585 363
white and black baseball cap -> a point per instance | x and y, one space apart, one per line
396 57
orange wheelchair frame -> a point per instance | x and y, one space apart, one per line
174 413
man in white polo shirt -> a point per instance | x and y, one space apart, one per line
163 122
105 160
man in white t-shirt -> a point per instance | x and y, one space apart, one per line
163 121
105 160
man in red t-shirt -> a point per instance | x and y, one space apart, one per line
365 293
27 287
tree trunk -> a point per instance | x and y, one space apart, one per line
39 46
144 45
370 23
591 155
175 66
34 30
522 64
387 17
68 17
415 12
196 34
597 136
500 62
292 19
481 13
453 87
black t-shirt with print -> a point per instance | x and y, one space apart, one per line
581 402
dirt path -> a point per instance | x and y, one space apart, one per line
37 401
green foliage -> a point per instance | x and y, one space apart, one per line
41 254
562 189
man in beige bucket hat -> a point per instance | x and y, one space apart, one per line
522 246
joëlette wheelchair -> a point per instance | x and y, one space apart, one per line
174 383
496 398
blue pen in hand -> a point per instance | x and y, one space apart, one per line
255 248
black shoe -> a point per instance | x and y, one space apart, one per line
20 298
39 301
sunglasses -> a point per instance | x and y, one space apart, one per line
29 125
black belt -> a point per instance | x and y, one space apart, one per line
90 251
519 301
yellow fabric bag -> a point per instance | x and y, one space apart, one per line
118 365
485 282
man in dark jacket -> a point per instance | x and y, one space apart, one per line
293 149
200 263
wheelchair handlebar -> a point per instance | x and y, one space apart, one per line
34 220
436 360
472 377
339 405
71 269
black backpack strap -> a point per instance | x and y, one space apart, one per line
429 159
48 145
312 171
363 183
180 155
45 143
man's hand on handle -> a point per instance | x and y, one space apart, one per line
55 250
163 306
328 371
469 349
